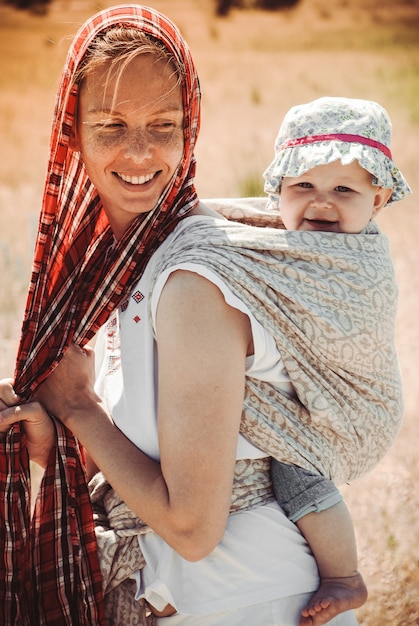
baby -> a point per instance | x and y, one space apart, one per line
332 172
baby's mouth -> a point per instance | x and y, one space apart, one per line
321 224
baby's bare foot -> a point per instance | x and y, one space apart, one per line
334 596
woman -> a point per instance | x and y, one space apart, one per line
163 422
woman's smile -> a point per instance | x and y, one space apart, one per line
136 180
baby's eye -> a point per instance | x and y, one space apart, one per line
342 189
305 185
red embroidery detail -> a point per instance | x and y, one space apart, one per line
137 296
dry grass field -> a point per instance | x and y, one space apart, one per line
253 65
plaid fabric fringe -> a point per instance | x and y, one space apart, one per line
49 565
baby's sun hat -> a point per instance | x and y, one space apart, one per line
330 129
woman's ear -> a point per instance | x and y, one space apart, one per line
381 198
74 142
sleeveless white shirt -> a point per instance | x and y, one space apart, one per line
262 555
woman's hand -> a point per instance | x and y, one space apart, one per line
7 398
69 389
38 426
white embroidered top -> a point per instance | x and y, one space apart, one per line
262 555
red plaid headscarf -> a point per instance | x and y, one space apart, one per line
72 290
49 572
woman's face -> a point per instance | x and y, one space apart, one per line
130 135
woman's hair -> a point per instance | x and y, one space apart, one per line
118 46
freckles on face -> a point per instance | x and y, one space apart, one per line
130 135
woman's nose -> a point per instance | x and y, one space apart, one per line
138 146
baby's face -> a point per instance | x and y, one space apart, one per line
333 197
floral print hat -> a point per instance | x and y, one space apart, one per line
330 129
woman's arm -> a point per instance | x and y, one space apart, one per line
202 347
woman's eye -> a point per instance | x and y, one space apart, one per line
110 126
104 126
164 127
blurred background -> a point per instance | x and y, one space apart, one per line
256 59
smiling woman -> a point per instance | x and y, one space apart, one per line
131 140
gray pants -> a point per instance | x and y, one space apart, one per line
300 492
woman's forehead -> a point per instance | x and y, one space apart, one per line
144 82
